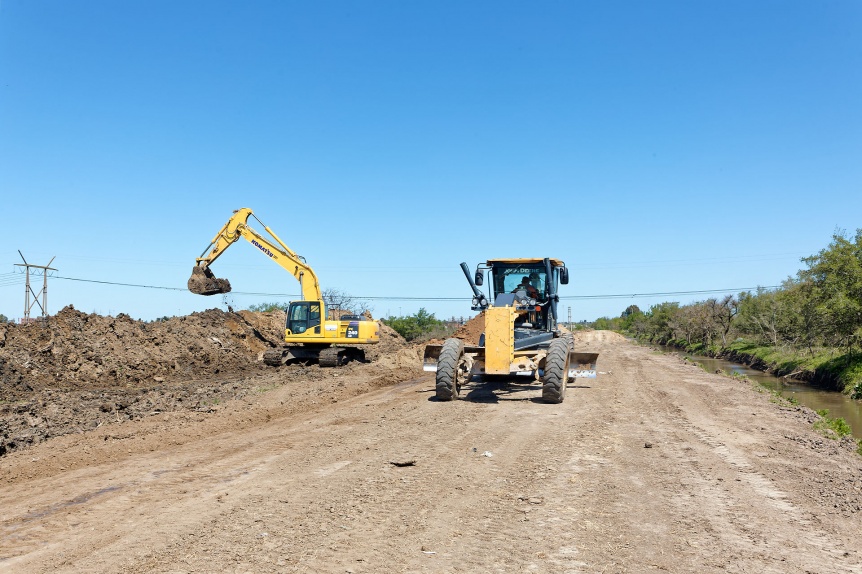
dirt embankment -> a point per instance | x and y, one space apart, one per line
656 465
78 371
470 331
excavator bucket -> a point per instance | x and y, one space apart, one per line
203 282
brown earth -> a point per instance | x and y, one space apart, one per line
654 466
470 331
78 371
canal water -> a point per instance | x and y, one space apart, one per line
838 404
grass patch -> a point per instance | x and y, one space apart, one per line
829 364
829 427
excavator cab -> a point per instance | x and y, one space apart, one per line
303 316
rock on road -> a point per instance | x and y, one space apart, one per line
655 466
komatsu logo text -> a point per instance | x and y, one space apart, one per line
262 248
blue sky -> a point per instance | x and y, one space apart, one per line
653 146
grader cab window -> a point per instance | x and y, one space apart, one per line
509 279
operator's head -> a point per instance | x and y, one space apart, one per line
525 280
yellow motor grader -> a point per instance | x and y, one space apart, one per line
521 338
330 342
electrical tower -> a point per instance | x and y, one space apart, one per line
28 289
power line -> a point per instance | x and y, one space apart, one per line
400 298
668 293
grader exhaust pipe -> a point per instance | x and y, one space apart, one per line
203 282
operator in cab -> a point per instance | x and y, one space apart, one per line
525 285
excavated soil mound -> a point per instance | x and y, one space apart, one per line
76 371
87 351
390 342
598 336
470 331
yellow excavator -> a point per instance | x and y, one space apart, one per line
312 334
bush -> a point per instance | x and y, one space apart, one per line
417 325
267 307
832 428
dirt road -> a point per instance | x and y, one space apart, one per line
655 466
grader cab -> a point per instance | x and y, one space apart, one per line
522 336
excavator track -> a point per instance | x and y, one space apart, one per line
331 357
337 356
274 357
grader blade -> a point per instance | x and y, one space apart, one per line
203 282
582 365
429 361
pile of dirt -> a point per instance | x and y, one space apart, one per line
75 350
583 336
390 342
470 331
76 371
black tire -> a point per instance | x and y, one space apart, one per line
448 372
556 371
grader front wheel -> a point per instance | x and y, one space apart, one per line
556 371
450 367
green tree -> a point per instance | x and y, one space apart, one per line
414 326
607 324
267 307
659 321
722 314
630 317
836 276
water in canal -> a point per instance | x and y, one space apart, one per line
838 405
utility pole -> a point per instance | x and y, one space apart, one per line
28 289
570 317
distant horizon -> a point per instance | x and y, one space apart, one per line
666 147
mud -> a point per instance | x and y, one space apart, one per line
203 282
78 371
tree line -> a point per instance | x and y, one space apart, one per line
812 321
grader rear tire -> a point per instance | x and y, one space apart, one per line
448 383
556 371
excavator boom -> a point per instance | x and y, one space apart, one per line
204 282
312 335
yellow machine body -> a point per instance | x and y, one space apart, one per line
499 340
307 320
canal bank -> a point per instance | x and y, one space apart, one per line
837 404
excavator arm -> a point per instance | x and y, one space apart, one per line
204 282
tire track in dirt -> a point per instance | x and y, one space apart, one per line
726 482
309 486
